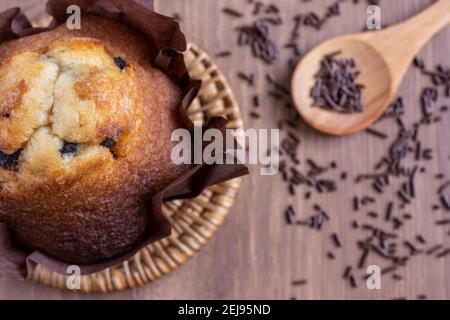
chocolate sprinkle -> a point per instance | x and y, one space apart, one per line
336 240
232 12
223 54
301 282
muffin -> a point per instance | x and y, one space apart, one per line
85 137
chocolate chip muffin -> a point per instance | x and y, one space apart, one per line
85 128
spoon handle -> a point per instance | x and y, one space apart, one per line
401 43
421 28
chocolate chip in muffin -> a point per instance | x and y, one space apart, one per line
6 115
9 161
120 62
108 143
68 148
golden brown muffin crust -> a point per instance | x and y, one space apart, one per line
12 98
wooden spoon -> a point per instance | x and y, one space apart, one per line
383 57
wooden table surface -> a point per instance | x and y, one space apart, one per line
255 255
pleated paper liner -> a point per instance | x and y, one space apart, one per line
194 221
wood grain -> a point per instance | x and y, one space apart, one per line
255 255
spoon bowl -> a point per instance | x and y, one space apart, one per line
375 75
382 57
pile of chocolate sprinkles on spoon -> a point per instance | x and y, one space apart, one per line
336 88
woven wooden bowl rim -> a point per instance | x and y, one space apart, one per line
194 221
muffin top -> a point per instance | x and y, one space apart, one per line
68 103
84 111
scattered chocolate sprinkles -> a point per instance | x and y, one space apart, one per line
443 187
232 12
301 282
255 115
388 214
376 133
336 240
256 102
250 79
394 178
223 54
443 254
290 215
420 239
257 37
353 282
433 249
347 272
